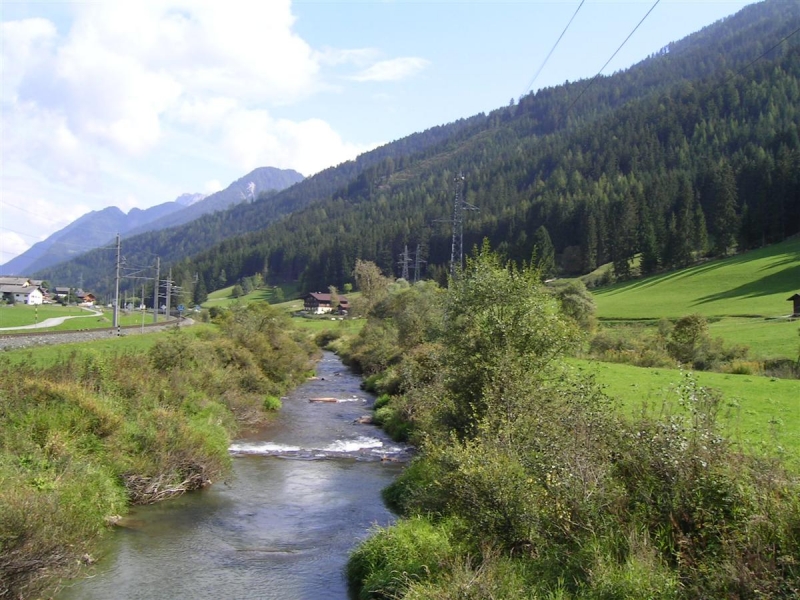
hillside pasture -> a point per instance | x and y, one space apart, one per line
223 297
745 296
755 283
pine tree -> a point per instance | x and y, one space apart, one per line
725 222
544 254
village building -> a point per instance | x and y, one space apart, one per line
318 303
23 294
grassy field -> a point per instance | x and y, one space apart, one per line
746 296
47 355
760 413
753 283
22 314
767 338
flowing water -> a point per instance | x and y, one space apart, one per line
305 490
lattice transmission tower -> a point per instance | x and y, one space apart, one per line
457 248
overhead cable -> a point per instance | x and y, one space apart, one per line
583 91
549 54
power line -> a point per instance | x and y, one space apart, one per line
549 54
752 62
583 91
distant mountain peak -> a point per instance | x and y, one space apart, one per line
189 199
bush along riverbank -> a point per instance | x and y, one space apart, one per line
85 437
530 483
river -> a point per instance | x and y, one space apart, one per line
305 490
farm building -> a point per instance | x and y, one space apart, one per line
318 303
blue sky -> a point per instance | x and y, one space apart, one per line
131 104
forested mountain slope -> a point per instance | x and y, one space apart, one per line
177 243
693 150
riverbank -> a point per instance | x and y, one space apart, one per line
87 437
305 488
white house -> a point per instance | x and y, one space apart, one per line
24 294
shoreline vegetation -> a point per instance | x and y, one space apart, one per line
531 482
92 432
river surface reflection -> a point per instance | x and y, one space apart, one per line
304 491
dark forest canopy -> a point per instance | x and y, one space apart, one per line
694 151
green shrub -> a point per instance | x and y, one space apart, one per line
370 383
272 403
495 577
390 418
324 338
381 401
742 367
626 567
411 550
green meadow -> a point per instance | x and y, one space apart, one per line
43 356
223 297
744 296
20 315
762 414
755 283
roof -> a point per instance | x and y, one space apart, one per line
5 280
320 297
795 297
17 289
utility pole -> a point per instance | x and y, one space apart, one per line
417 261
156 287
457 248
169 291
404 262
115 322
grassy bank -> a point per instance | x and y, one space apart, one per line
85 432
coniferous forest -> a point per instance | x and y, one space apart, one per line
693 152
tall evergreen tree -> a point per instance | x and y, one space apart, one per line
725 221
544 254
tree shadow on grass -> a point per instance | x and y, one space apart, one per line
786 282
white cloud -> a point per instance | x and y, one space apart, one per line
253 138
392 70
27 44
127 202
212 186
91 110
11 245
338 56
